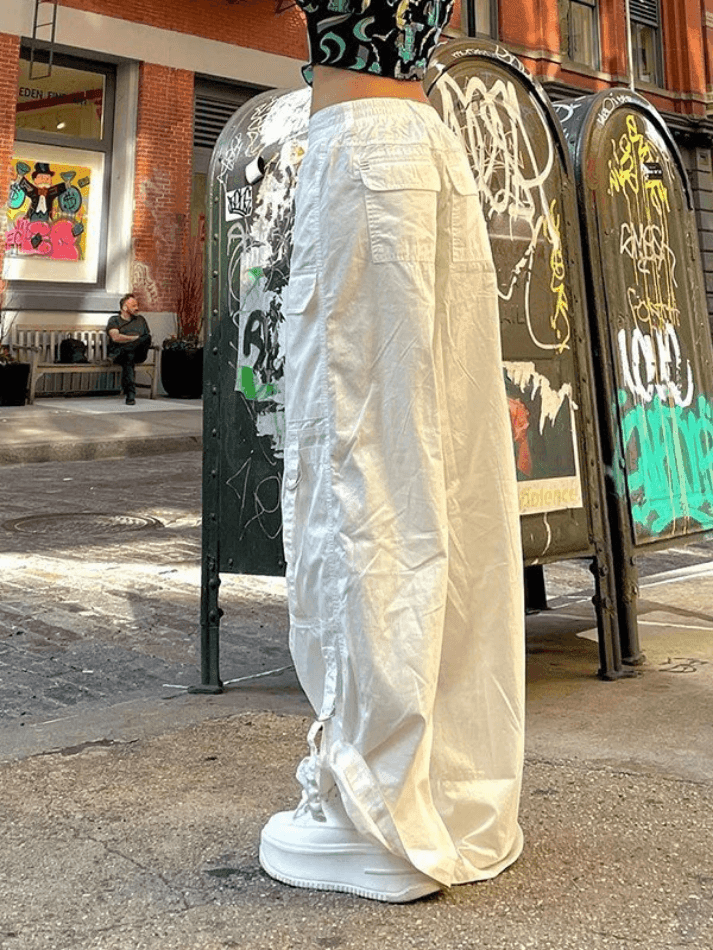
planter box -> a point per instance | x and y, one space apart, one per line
14 383
182 372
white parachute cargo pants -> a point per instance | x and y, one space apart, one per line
401 524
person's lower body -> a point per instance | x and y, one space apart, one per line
130 355
401 523
128 380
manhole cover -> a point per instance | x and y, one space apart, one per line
84 524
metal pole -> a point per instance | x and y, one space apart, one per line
210 540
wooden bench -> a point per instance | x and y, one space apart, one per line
40 348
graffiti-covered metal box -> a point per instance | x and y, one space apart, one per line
648 300
527 190
523 170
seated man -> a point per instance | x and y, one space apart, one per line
129 343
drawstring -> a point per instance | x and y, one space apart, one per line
308 775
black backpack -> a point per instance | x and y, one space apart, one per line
72 351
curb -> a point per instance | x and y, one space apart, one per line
86 450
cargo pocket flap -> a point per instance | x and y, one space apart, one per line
462 180
298 293
400 176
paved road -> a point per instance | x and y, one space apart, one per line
100 587
130 815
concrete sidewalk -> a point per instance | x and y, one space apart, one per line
96 427
140 829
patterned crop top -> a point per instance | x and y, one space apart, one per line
392 38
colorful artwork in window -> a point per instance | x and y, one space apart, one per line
53 214
47 210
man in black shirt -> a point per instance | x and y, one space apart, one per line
129 342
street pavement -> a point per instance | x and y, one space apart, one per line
91 427
130 808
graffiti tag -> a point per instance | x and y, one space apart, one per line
669 462
512 176
652 365
57 240
238 203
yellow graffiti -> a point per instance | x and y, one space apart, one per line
559 320
625 169
651 312
636 173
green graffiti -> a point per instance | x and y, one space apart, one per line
248 387
669 457
257 334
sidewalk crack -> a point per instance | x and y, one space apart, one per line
142 867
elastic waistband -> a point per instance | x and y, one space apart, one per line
346 115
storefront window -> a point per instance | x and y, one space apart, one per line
55 215
69 102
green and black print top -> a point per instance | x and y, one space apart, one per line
392 38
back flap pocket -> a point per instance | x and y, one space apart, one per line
469 236
398 176
462 180
299 292
401 207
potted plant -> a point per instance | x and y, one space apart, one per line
14 379
14 373
182 353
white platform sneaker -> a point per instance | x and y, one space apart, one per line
321 849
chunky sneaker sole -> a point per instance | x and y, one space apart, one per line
303 852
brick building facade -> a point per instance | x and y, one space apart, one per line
165 72
161 64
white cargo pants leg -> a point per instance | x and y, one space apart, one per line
401 525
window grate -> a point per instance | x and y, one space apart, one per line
645 11
210 118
